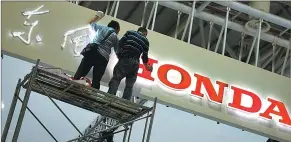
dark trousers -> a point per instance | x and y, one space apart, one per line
125 68
99 64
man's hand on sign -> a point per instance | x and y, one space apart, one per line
148 67
99 15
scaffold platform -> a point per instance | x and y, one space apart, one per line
54 86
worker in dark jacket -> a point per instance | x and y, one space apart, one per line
131 46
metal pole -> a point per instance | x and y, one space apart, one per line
191 22
210 35
219 40
235 16
144 13
151 16
112 8
111 128
225 30
285 62
38 120
116 8
273 58
178 23
129 133
152 121
258 43
155 15
290 64
65 115
107 8
60 110
11 111
145 128
125 134
202 33
186 27
241 46
283 32
25 102
252 48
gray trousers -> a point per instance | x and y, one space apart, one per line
125 68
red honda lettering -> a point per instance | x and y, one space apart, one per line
282 111
147 74
185 81
212 94
237 97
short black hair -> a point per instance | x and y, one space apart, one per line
114 24
142 29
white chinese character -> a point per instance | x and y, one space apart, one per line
79 37
31 24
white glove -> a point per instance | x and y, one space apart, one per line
100 14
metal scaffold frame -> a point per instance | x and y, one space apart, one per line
123 112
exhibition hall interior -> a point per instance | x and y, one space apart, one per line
145 71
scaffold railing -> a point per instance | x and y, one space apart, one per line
114 111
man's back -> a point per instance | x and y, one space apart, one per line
101 32
133 44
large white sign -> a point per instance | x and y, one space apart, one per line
185 76
20 34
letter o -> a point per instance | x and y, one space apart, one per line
162 75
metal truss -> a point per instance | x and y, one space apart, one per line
254 55
117 111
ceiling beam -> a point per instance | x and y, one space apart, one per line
184 21
221 21
132 11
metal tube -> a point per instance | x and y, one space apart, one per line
228 49
116 8
283 32
269 60
178 24
107 8
38 120
273 58
191 22
241 46
202 33
116 126
219 39
145 128
256 13
235 16
285 62
65 115
25 102
155 15
225 30
11 111
290 64
258 43
125 135
203 6
210 35
151 16
220 21
60 110
144 13
129 133
186 27
252 48
152 121
112 8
